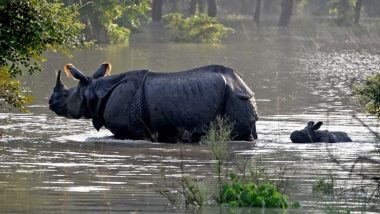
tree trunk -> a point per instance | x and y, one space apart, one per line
174 6
256 16
268 7
157 10
201 6
211 8
193 7
358 8
286 12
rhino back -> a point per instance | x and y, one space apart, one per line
184 99
334 137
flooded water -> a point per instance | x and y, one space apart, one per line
50 164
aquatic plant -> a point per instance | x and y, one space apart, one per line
237 193
218 134
324 187
247 188
199 28
368 94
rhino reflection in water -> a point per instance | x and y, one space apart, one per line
311 134
141 104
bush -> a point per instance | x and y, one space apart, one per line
199 28
117 34
237 193
368 94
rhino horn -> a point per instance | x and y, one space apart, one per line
58 82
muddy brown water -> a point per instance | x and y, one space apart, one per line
50 164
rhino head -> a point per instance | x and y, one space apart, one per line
308 134
70 102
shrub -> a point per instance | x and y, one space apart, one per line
368 94
237 193
117 34
199 28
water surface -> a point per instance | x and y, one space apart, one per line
50 164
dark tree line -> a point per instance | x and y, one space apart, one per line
194 7
285 8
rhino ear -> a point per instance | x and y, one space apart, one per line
103 70
318 125
310 124
73 72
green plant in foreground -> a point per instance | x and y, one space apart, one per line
199 28
233 191
237 193
218 134
368 94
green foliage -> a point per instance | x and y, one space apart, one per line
237 193
11 91
117 17
218 134
30 27
198 28
117 34
368 94
343 10
323 187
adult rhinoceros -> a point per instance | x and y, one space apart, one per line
141 104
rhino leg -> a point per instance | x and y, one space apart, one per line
125 134
168 135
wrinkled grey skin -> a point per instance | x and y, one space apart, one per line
311 134
159 106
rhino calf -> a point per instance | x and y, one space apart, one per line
142 104
311 134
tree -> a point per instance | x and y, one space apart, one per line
196 6
268 7
111 21
358 8
28 28
344 11
211 8
286 12
157 10
256 15
193 7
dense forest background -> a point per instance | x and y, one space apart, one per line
112 21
